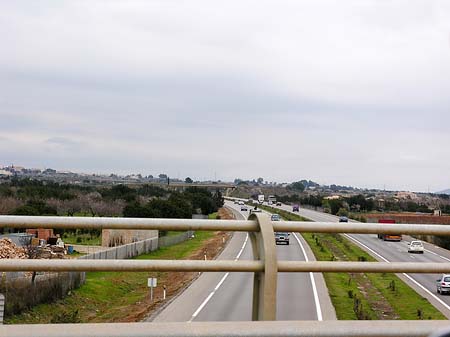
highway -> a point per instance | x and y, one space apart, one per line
386 251
228 296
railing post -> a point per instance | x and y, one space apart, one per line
264 283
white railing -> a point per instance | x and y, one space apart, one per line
265 266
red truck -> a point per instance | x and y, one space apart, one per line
389 237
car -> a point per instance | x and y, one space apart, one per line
244 208
275 217
443 284
282 237
415 247
343 219
241 202
295 208
236 202
278 203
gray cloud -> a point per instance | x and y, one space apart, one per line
340 92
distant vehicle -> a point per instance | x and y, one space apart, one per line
255 210
244 208
415 247
275 217
236 202
389 237
343 219
240 202
282 237
261 198
443 284
271 200
278 203
295 208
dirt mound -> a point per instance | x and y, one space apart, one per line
9 250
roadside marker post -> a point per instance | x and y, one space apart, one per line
151 283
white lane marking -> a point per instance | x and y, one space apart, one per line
202 306
406 275
242 248
222 280
442 257
313 282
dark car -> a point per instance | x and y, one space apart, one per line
278 203
295 208
343 219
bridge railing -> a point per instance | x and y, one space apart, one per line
265 267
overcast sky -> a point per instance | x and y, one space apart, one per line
345 92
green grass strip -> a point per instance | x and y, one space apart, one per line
363 295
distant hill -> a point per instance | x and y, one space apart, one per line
447 191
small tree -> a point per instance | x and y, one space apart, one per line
188 180
297 186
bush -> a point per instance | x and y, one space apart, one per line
66 317
342 212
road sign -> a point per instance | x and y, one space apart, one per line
151 282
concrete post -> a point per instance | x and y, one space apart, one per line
264 283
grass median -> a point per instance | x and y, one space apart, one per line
363 296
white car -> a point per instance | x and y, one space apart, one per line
443 284
415 247
240 202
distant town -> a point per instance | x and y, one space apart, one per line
304 190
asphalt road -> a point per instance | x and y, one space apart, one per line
424 284
228 296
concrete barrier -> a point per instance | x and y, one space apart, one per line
137 248
24 292
2 307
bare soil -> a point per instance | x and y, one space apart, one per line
179 281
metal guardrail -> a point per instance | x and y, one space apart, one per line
220 265
265 266
231 329
252 225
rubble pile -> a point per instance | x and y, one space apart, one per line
47 252
9 250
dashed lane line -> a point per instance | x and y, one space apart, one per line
404 274
207 299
